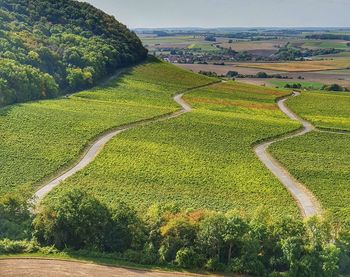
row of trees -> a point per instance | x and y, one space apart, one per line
258 246
62 45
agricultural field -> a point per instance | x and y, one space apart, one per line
38 139
317 44
321 161
302 66
255 45
328 110
304 85
201 160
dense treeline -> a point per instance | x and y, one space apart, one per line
329 36
51 46
289 53
258 246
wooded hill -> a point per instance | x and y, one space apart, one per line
50 47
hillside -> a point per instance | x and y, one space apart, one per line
48 48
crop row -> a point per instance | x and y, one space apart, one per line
202 160
321 161
324 109
39 138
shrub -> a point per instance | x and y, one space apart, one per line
77 220
187 258
18 247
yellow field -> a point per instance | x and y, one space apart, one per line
302 66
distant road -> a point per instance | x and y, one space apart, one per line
307 202
57 268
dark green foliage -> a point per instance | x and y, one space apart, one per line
232 74
49 46
295 86
329 36
256 246
334 87
78 221
15 217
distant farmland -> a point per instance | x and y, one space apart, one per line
301 66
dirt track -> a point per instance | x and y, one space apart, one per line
307 203
98 145
54 268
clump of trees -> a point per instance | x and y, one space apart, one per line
219 242
290 53
294 86
208 73
334 87
210 38
52 47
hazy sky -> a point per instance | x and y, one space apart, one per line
228 13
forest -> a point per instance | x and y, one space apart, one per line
49 48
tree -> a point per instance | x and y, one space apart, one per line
235 230
232 74
211 234
75 220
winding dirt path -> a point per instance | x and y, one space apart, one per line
57 268
97 146
307 202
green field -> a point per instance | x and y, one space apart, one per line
325 44
206 47
39 138
306 85
324 109
321 162
201 160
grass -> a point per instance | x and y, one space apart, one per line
201 160
321 162
304 84
302 66
324 109
37 139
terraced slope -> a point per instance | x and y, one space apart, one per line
321 161
38 139
203 159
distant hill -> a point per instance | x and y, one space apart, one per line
52 46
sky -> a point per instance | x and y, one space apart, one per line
228 13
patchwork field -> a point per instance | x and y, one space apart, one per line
325 110
203 159
37 139
302 66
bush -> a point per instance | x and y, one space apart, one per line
187 258
18 247
76 221
333 87
15 217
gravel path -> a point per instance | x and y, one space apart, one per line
98 145
56 268
307 203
